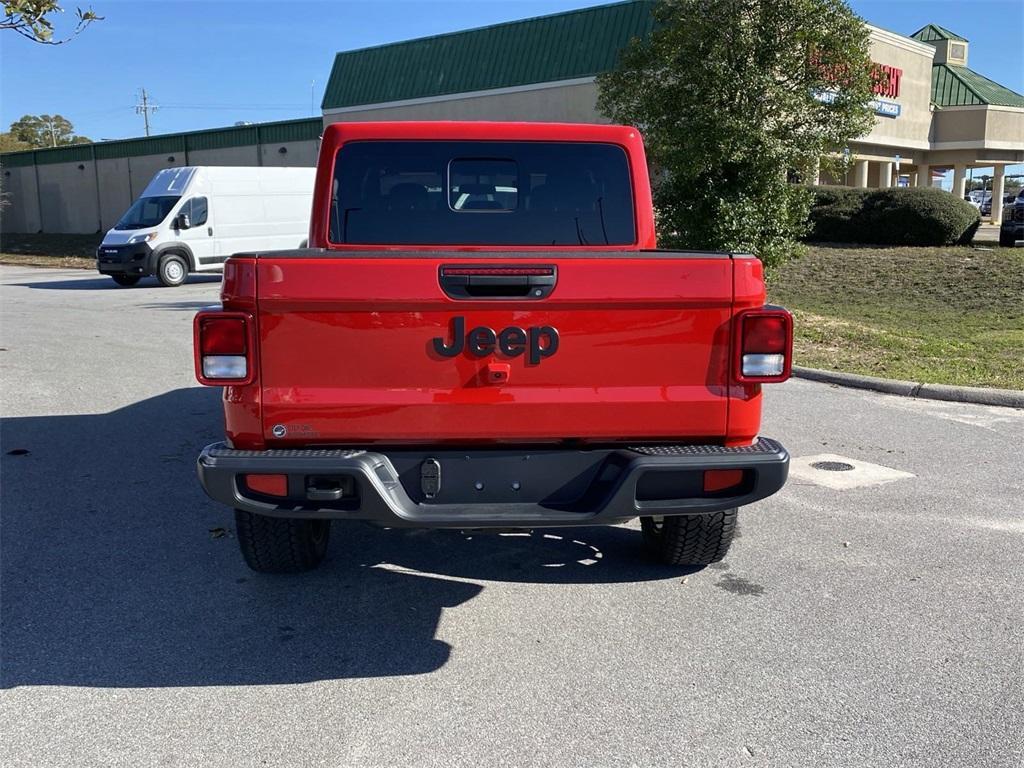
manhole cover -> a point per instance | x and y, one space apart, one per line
832 466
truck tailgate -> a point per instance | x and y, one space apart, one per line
354 348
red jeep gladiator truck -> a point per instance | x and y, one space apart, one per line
483 334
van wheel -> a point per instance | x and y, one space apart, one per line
126 280
280 544
1007 239
690 539
172 271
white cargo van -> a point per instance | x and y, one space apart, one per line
191 219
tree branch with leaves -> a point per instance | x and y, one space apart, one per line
732 96
29 19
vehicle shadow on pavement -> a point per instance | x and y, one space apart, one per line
118 571
100 283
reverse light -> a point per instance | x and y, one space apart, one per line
223 348
763 345
225 366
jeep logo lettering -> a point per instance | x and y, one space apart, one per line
538 341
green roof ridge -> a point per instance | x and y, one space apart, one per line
488 27
930 33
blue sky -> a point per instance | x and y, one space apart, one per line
213 63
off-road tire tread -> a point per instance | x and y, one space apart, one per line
277 544
692 539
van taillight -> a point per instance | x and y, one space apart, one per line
222 348
763 345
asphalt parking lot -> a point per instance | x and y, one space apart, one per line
879 625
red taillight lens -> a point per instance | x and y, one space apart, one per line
764 335
763 346
222 336
223 348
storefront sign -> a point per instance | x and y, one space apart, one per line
885 108
886 85
887 80
880 107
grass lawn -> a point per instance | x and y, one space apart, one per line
67 251
938 315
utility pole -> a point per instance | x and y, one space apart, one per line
312 86
144 107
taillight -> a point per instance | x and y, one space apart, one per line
763 345
223 348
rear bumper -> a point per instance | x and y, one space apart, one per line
494 488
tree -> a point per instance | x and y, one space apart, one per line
28 19
733 96
11 143
45 131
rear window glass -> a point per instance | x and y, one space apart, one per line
481 193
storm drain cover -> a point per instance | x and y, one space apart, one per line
832 466
842 473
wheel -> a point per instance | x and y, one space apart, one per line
690 539
1006 239
279 544
126 280
172 270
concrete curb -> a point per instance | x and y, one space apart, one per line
1007 398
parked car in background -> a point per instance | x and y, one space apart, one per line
1011 228
191 219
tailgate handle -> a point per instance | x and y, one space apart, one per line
498 281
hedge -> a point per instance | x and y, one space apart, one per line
897 216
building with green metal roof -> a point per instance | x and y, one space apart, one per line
934 114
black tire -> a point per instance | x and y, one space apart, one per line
126 280
690 539
1006 239
281 545
172 270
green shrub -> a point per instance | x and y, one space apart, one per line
897 216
